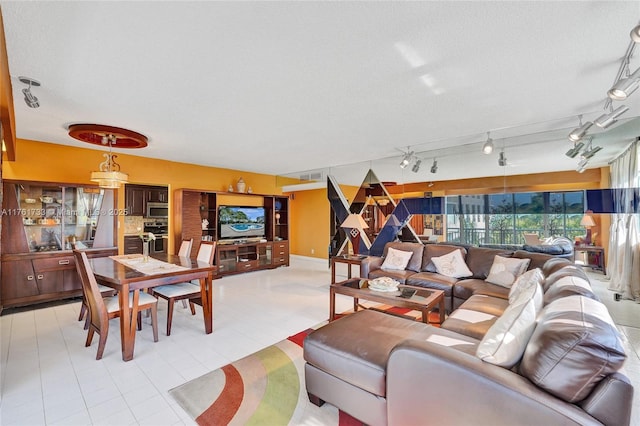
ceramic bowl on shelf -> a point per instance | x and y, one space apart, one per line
29 200
46 199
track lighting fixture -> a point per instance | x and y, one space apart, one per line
625 86
487 148
575 150
635 34
29 98
406 159
579 132
502 161
416 166
582 165
590 151
434 166
607 119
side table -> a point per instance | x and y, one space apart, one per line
591 252
349 260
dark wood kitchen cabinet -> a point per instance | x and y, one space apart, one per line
137 196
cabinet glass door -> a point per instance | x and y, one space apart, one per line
53 216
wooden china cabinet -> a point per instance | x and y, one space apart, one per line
41 222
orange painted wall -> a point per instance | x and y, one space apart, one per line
48 162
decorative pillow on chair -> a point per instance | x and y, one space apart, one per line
506 340
505 270
396 260
452 265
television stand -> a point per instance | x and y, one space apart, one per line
236 257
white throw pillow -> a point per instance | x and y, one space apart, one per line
524 281
451 265
505 342
396 260
505 270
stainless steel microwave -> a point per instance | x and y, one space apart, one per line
157 210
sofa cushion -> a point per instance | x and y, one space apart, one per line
507 338
574 346
452 265
553 264
433 280
470 323
537 259
480 260
437 250
505 270
525 281
356 348
396 260
487 304
569 286
400 276
464 289
570 270
416 248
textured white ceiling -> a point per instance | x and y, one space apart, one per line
287 87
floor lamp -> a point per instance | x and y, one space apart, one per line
354 224
588 222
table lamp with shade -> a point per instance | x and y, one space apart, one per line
355 224
588 222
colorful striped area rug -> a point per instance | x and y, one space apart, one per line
264 388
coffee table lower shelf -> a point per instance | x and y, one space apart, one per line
425 300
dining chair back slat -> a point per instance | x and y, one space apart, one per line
185 248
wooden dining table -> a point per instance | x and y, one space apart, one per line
112 273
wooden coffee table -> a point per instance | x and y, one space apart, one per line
425 299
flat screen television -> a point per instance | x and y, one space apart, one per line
240 222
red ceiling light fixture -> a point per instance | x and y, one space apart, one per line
109 175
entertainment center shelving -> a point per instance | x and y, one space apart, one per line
196 217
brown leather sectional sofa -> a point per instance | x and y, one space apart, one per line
383 369
421 272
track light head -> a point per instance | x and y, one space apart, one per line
29 98
635 34
502 161
488 146
434 167
607 119
406 159
579 132
575 150
587 154
416 166
625 86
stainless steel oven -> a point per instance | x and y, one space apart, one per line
161 231
157 211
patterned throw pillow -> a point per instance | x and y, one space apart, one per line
524 282
505 270
396 260
452 265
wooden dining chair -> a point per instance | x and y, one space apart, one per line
101 310
185 291
185 248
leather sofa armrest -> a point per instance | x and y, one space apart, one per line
426 380
368 264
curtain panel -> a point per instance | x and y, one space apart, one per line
623 260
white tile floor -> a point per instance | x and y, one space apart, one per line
49 377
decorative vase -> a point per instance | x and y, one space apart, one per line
230 189
249 190
145 251
241 185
